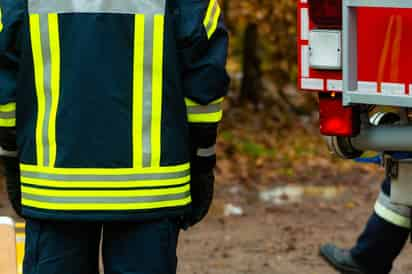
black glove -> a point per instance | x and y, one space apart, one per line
202 186
8 156
203 161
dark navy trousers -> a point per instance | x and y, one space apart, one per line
127 247
380 243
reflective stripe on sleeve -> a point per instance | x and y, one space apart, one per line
206 152
394 214
211 113
8 115
211 19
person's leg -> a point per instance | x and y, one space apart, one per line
384 236
140 247
61 247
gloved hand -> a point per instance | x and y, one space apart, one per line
202 186
203 161
8 156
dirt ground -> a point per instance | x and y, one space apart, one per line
284 239
279 239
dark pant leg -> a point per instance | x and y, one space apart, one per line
61 247
140 247
380 243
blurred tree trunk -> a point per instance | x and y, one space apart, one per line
251 88
225 11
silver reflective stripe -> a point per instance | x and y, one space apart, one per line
151 9
106 200
147 92
45 45
206 152
386 202
105 178
8 153
7 115
97 6
204 109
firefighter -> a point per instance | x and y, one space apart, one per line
114 107
380 243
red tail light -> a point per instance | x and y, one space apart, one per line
326 13
335 119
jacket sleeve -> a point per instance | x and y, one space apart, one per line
11 13
203 41
203 45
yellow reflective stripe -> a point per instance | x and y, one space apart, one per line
7 122
392 217
205 117
191 103
20 225
8 107
1 20
55 82
208 12
8 115
157 89
104 171
213 27
39 82
198 113
138 71
108 184
114 206
211 19
106 193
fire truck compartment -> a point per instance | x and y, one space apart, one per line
377 59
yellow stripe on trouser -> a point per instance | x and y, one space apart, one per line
157 90
211 113
8 115
39 82
55 82
138 72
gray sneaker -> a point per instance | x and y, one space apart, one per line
341 259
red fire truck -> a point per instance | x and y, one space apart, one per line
357 55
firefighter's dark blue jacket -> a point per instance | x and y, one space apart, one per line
102 93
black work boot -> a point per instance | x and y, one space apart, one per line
341 259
